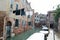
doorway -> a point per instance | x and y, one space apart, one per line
51 25
8 29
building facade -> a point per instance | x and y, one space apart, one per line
36 20
50 18
42 19
18 17
2 24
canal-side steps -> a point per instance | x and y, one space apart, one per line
24 35
18 31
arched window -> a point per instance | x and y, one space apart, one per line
11 6
16 6
23 22
28 16
11 3
9 23
29 23
16 22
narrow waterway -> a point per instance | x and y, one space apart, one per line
53 35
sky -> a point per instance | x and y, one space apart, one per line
42 6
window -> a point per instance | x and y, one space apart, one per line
23 23
35 19
37 16
39 20
17 12
16 6
28 16
16 22
11 3
29 23
22 12
11 6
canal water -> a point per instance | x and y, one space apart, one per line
53 35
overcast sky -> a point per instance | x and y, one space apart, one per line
42 6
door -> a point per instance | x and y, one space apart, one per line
8 29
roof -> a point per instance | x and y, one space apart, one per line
53 11
50 12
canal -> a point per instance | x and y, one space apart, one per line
24 35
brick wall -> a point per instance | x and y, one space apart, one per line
2 16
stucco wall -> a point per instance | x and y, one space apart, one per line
4 5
